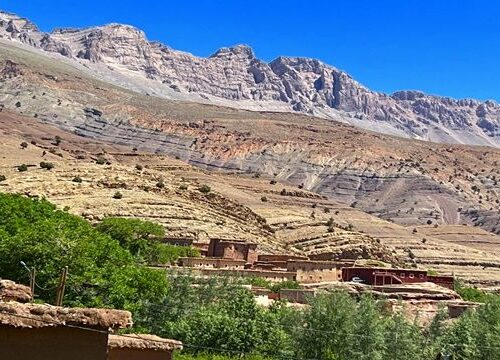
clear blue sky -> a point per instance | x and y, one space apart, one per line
444 47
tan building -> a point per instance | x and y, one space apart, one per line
211 263
309 271
44 332
141 347
273 276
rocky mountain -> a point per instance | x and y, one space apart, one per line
234 77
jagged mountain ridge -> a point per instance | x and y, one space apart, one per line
121 54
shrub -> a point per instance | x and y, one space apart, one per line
2 178
205 189
117 195
272 182
57 140
138 167
24 145
326 210
33 142
18 104
100 160
263 199
160 184
47 165
77 179
183 187
429 222
22 168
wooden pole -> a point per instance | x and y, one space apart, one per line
62 286
32 283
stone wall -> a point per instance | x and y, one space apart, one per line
214 263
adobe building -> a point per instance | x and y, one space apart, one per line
272 276
386 276
213 263
45 332
141 347
178 241
309 271
233 249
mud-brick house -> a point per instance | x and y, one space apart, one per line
141 347
233 249
45 332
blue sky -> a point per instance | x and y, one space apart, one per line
443 47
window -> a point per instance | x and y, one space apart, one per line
411 276
402 275
421 276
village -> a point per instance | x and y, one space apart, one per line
33 330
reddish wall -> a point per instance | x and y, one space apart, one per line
135 354
368 275
281 258
237 250
52 343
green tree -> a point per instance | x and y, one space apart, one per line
101 272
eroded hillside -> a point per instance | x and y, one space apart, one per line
275 214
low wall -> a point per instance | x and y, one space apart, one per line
214 263
273 276
300 296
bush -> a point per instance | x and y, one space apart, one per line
57 140
183 187
205 189
263 199
47 165
22 168
2 178
117 195
273 182
138 167
100 160
160 184
24 145
77 179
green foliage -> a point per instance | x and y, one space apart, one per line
22 168
101 272
77 179
100 160
205 189
470 293
117 195
287 284
3 178
24 145
133 234
47 165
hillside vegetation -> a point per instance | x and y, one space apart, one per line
218 317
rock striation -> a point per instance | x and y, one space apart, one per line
235 77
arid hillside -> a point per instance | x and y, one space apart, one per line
280 217
405 181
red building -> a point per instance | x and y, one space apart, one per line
384 276
233 249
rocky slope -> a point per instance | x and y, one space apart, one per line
405 181
278 216
122 55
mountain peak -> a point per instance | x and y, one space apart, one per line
239 51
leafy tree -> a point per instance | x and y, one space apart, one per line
101 272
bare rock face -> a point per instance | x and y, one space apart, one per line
235 77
